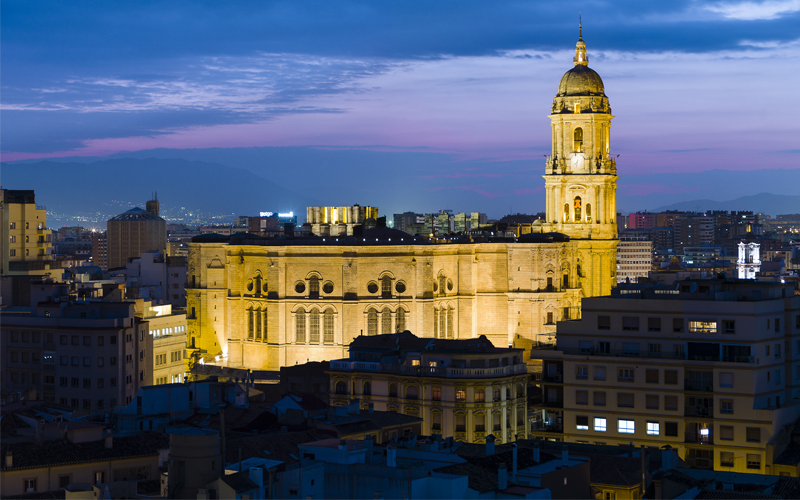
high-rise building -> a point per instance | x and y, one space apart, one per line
693 230
641 220
634 258
710 367
100 250
25 240
136 231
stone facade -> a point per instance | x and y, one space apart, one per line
266 303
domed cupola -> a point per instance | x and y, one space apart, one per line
581 81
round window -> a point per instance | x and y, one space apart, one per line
400 287
300 287
372 287
449 284
327 287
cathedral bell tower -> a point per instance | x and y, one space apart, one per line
580 174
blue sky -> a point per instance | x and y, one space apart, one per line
694 85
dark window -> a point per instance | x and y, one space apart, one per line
630 323
651 376
671 428
87 340
677 325
671 377
64 340
654 324
75 340
604 322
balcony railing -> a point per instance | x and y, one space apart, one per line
541 427
429 371
698 385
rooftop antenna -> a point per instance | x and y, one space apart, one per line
580 26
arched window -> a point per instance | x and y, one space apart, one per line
480 396
496 394
442 322
327 323
386 321
435 323
372 322
313 287
588 212
264 328
258 324
576 204
250 323
314 317
577 142
412 393
300 326
480 422
400 320
367 389
341 387
386 287
566 212
442 285
520 391
437 393
392 390
450 323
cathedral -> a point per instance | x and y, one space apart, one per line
263 303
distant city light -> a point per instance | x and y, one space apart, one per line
290 214
265 214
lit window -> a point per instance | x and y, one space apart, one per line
582 423
600 424
626 426
653 429
703 326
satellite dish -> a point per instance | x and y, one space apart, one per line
693 287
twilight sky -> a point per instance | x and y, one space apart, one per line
694 85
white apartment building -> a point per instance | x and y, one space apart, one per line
710 367
634 258
168 330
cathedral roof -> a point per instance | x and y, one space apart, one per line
581 80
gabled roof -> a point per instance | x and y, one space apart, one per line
307 402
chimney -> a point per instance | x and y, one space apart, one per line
109 441
391 455
502 477
9 459
514 463
536 452
490 445
644 470
667 458
564 453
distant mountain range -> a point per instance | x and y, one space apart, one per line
111 187
767 203
245 181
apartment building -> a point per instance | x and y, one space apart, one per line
25 241
89 355
710 367
634 258
168 331
467 389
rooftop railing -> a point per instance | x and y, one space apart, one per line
429 371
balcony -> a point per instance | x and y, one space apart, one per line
429 371
698 385
539 426
698 411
